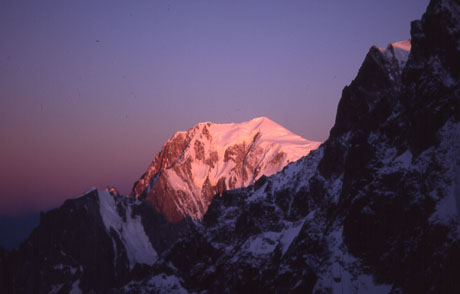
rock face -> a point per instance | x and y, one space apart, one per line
375 209
102 240
90 244
210 158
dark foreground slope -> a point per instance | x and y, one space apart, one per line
90 244
374 210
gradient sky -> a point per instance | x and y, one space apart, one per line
89 90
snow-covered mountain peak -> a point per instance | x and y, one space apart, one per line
403 45
227 134
399 51
209 158
375 209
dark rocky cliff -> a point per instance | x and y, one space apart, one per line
374 210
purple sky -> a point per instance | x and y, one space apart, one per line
89 90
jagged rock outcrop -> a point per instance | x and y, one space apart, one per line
92 244
102 240
210 158
374 210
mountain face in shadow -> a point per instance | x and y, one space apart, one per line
375 209
102 240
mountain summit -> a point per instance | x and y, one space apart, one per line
210 158
375 209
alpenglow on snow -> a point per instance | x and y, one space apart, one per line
210 158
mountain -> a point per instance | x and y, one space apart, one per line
92 243
375 209
210 158
102 239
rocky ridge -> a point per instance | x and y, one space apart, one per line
375 209
124 236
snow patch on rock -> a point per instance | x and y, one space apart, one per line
399 50
131 232
448 208
76 288
343 275
161 283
